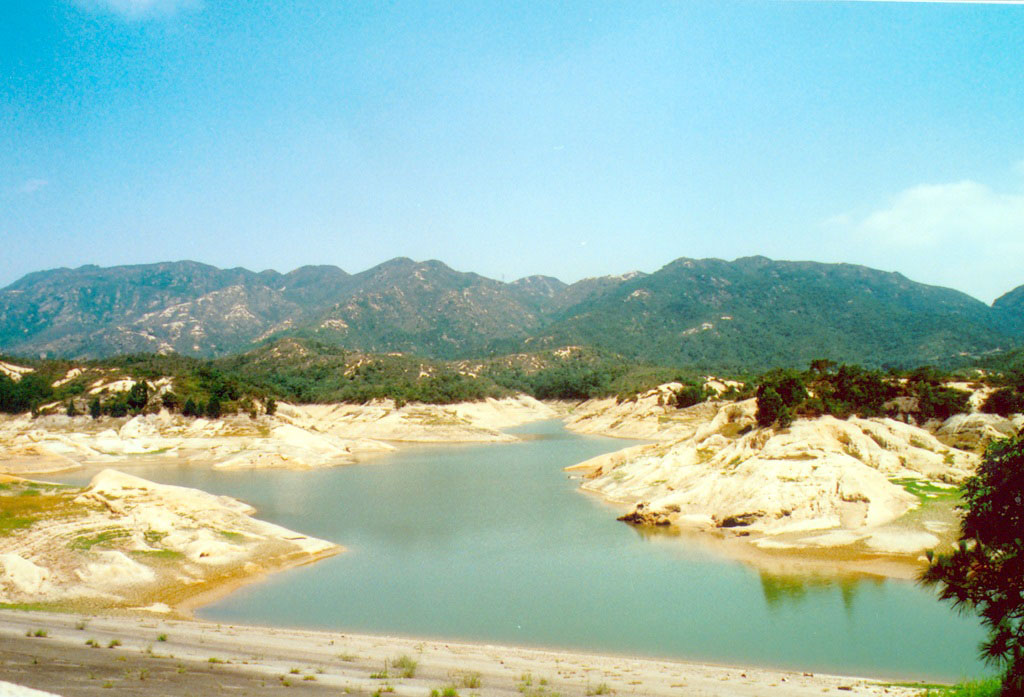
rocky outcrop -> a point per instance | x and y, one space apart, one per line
424 423
651 415
975 431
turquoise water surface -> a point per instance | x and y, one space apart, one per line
493 542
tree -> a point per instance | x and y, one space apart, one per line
769 403
138 397
213 408
688 395
94 408
190 408
985 574
271 406
785 416
71 411
170 401
1004 401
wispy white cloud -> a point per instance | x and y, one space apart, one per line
961 234
139 9
940 214
32 186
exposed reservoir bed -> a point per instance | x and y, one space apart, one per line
494 543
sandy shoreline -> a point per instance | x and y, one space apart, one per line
206 658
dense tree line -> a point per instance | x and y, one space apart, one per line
26 394
847 390
310 372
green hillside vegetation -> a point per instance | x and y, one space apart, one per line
307 371
847 390
753 314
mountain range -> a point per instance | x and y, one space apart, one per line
746 314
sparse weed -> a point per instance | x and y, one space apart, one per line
405 665
382 674
469 678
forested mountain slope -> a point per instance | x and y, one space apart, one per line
746 314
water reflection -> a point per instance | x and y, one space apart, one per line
795 589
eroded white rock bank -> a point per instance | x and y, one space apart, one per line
123 541
298 436
853 489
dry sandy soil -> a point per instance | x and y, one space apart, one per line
205 659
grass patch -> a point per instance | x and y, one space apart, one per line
928 491
157 553
85 542
22 504
29 607
233 536
974 688
9 523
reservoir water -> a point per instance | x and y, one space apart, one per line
493 542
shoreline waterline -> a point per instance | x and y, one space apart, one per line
349 660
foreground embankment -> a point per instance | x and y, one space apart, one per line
76 655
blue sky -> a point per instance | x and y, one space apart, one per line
568 139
